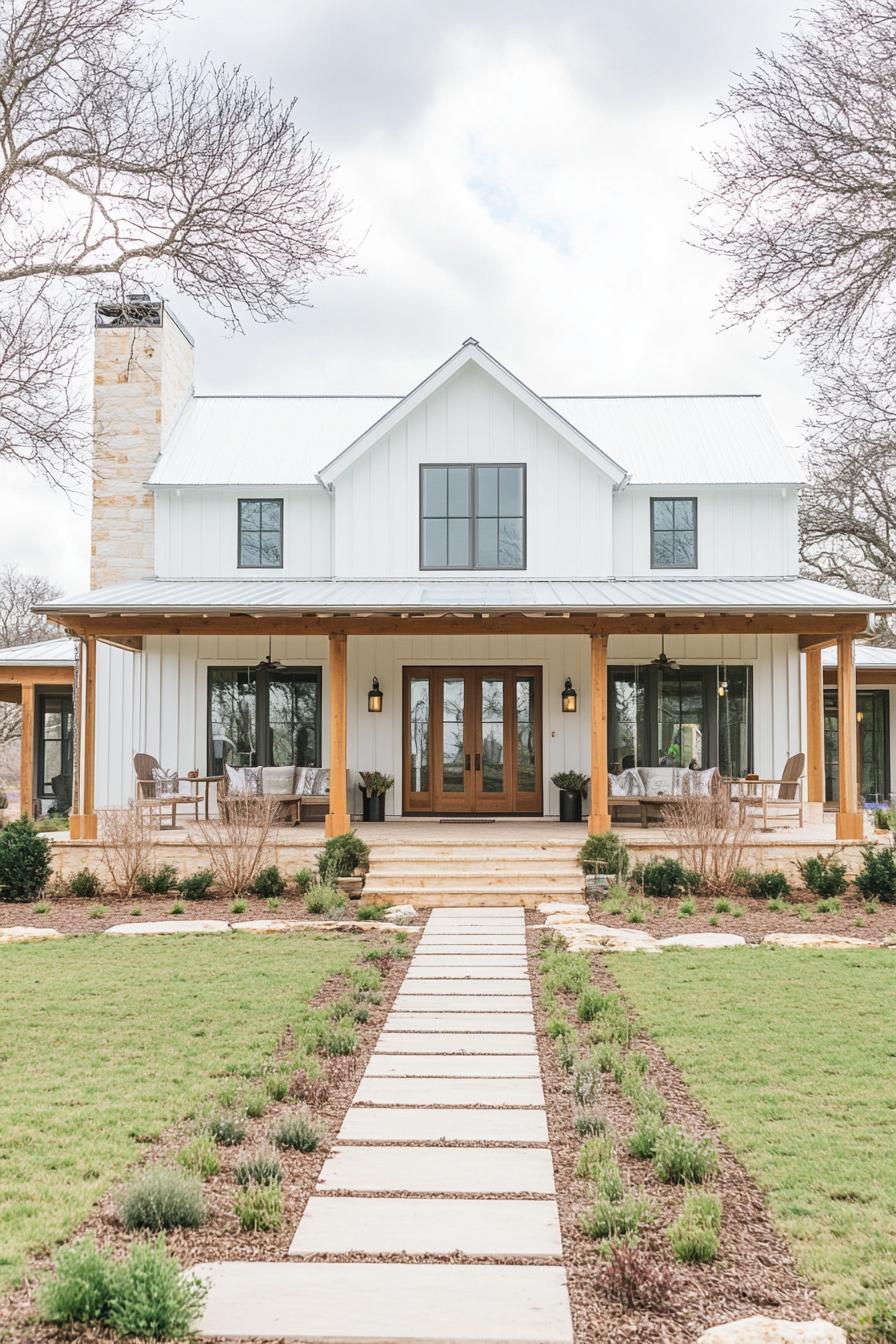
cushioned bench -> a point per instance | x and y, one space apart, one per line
301 791
644 790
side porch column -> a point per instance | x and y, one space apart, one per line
338 821
814 729
599 816
82 824
26 767
850 821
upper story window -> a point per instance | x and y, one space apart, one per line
473 517
673 533
260 541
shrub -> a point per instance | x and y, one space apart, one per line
682 1159
828 906
160 1198
687 907
604 853
369 910
592 1002
606 1056
85 885
278 1086
320 898
613 1220
298 1131
667 877
565 972
558 1026
97 911
594 1154
260 1168
589 1124
642 1142
341 855
269 882
824 875
365 978
256 1103
196 886
126 838
338 1038
157 881
226 1128
260 1208
876 879
81 1286
586 1082
694 1235
637 1279
200 1156
770 886
722 906
567 1050
24 862
151 1297
303 880
882 1320
613 1025
238 907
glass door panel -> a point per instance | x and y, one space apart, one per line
526 781
293 717
417 735
491 705
453 744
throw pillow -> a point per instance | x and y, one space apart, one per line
634 784
165 782
618 786
322 782
277 780
243 781
698 782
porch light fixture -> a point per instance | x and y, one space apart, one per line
859 716
375 698
568 698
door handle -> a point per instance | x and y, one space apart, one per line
478 761
467 761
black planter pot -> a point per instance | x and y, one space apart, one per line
570 805
373 808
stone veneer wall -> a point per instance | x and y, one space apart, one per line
142 377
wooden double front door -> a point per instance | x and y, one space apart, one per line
472 740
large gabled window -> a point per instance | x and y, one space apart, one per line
673 533
260 539
473 516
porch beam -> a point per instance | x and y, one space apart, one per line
599 816
811 643
115 629
36 676
814 727
850 821
338 821
82 824
26 766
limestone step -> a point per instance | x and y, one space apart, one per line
472 879
473 886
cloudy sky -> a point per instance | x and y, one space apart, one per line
520 171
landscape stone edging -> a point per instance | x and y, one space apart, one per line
21 933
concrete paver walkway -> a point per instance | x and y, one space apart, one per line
455 1069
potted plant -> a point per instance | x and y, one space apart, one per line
573 788
603 858
343 862
374 788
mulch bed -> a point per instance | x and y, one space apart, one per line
73 915
754 1273
221 1237
757 920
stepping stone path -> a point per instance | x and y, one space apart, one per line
444 1149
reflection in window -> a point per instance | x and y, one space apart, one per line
261 534
492 710
232 718
472 516
677 717
263 717
525 735
453 735
419 727
872 746
673 533
293 715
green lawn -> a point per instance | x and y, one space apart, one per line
793 1053
106 1041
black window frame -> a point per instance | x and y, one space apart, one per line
252 499
260 680
672 499
473 494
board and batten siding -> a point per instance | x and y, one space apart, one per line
197 532
743 531
157 699
472 419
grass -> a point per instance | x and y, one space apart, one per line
792 1054
105 1042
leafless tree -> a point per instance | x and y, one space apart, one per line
126 842
802 201
238 841
19 625
711 839
120 168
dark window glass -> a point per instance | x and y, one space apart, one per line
261 533
263 717
472 517
673 533
677 717
872 746
54 751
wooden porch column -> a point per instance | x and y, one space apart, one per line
814 727
338 820
599 816
26 769
850 821
82 824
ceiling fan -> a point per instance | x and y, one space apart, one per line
662 661
268 664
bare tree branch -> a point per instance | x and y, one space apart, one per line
20 625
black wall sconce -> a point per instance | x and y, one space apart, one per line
375 698
568 697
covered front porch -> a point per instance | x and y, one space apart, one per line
159 641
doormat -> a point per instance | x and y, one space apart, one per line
466 821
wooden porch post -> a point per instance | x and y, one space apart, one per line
814 728
850 821
338 820
26 769
599 816
82 824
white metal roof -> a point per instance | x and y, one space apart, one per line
440 595
671 440
866 655
58 652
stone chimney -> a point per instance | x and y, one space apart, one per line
143 375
